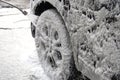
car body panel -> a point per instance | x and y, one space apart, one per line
93 27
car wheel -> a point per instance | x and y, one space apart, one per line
53 45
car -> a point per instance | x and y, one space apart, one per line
77 39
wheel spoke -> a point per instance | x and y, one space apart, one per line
57 48
57 43
49 31
45 30
57 55
43 46
46 54
43 38
51 61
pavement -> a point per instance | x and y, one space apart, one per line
18 57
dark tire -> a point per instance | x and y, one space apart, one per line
33 30
53 45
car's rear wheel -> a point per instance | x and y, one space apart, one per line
53 45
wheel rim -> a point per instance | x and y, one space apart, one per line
53 45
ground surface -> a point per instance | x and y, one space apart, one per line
18 58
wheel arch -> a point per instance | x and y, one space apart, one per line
39 6
42 6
